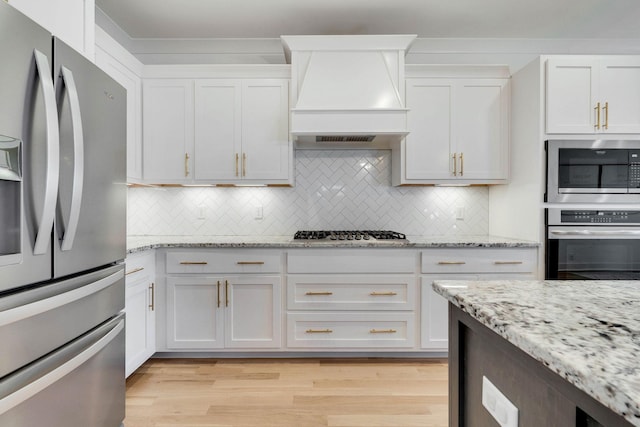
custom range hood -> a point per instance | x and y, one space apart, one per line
347 91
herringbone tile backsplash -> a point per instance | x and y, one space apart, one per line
337 189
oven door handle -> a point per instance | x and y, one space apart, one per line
595 233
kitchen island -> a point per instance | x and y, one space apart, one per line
565 353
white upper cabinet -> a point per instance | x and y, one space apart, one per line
593 94
167 117
72 21
458 131
241 130
216 131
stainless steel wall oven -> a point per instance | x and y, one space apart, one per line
593 244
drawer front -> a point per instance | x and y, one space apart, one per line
357 260
350 330
224 261
490 260
361 292
140 265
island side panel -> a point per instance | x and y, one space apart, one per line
542 397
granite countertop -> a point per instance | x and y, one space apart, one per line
588 332
141 243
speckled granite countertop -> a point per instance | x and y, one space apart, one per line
141 243
588 332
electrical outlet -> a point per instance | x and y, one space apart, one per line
500 408
257 212
202 212
460 212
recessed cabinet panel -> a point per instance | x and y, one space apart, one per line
218 129
428 145
620 89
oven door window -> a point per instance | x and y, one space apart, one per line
583 169
587 259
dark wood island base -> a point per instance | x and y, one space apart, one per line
543 398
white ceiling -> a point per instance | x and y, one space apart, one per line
554 19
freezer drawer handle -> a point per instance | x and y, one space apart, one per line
53 155
21 395
78 159
28 310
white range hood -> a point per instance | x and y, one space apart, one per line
347 91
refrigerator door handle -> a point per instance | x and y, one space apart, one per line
78 158
43 234
16 397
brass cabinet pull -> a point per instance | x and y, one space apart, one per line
318 331
319 293
193 263
461 164
186 164
606 116
451 262
237 159
152 306
507 262
455 164
218 285
226 293
382 331
378 294
135 270
250 263
597 108
244 164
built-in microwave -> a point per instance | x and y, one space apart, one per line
593 171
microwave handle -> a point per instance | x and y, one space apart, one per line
53 155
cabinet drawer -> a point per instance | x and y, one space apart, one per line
361 292
493 260
350 330
224 261
358 260
139 265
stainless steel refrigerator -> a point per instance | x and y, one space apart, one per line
62 233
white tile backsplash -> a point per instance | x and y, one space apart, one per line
335 189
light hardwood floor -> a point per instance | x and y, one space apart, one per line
288 393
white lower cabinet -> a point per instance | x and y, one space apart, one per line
351 299
205 313
464 264
140 312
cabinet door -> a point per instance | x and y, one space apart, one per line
620 93
253 312
572 95
434 320
217 129
167 130
140 326
429 121
265 129
482 129
195 312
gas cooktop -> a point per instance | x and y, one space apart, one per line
349 235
